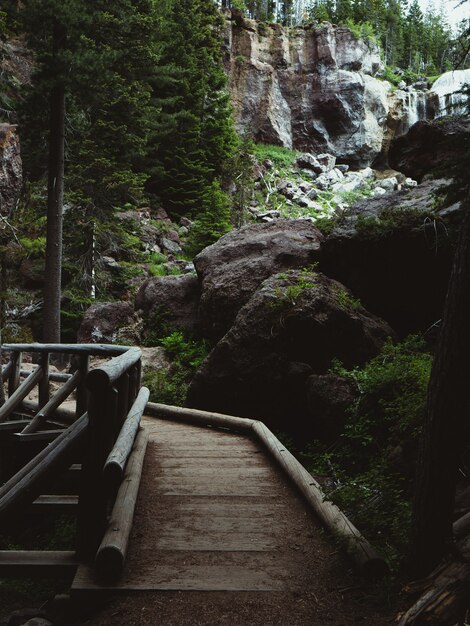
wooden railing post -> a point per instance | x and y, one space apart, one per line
43 386
92 512
82 392
14 380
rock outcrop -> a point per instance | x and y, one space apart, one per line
113 322
316 88
395 253
431 147
308 87
11 172
292 326
232 269
170 301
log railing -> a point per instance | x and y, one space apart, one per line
102 429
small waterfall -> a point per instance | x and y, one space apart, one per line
452 91
413 106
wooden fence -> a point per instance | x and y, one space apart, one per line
101 432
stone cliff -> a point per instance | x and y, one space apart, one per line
313 88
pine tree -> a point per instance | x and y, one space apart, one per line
196 135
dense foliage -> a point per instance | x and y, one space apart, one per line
372 464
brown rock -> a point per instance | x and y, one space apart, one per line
233 268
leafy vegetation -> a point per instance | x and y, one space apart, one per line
371 465
170 386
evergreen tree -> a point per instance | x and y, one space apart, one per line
196 136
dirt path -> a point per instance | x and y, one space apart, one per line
221 538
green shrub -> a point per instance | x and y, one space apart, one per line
372 464
281 157
170 386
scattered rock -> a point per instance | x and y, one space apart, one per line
170 246
233 268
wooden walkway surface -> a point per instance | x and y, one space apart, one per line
213 514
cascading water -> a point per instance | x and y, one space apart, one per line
452 91
414 107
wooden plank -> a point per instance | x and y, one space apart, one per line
227 472
222 489
216 542
213 463
52 504
194 578
195 453
34 563
211 508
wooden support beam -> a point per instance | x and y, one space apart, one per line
42 435
20 394
49 409
112 552
55 377
107 374
63 414
24 485
13 426
113 470
56 504
37 564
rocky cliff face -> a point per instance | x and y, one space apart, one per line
313 88
308 87
11 175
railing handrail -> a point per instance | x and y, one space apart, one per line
92 349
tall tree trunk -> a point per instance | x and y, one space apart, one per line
55 201
447 422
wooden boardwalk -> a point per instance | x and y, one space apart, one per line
212 515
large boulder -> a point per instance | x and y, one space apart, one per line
233 268
436 147
169 302
328 399
292 327
112 322
11 170
395 253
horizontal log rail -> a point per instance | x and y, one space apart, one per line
111 554
114 467
91 349
111 371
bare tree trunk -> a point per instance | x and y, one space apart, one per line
55 201
447 422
